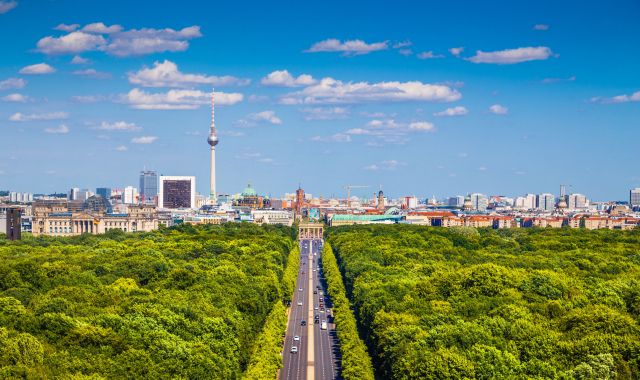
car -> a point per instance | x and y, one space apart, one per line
303 323
296 338
299 303
299 289
315 292
315 308
323 325
316 321
294 350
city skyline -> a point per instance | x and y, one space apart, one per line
440 105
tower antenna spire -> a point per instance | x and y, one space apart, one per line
213 110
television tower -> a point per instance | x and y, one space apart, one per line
212 139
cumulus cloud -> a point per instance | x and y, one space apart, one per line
453 111
92 73
12 83
498 109
402 44
424 126
18 116
89 98
256 118
114 40
121 148
332 91
101 28
347 48
456 51
325 113
59 130
144 140
541 27
15 98
429 55
511 56
72 43
336 138
167 74
7 5
177 99
635 97
78 60
118 126
39 68
283 78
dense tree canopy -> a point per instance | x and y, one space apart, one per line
185 302
460 303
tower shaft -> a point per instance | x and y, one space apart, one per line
213 195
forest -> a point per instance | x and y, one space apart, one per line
465 303
180 303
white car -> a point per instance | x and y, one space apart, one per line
296 338
300 289
294 350
299 303
315 308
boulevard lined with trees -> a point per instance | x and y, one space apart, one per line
435 303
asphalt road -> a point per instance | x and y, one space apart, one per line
318 351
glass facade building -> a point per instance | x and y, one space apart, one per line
148 186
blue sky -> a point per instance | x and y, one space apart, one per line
324 94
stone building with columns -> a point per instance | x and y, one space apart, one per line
58 218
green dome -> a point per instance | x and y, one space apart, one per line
249 191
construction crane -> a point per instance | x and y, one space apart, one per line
348 188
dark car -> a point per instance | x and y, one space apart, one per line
303 323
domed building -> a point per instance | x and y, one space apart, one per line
467 205
249 198
97 204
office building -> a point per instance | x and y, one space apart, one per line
177 192
148 186
104 192
456 201
13 223
634 197
479 201
130 195
578 202
546 202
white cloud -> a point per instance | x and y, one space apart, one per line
18 116
101 28
121 148
541 27
385 165
347 48
283 78
402 44
72 43
359 131
12 83
558 80
456 51
511 56
78 60
89 98
92 73
167 74
337 138
116 41
405 52
177 99
429 55
635 97
15 98
118 126
148 41
39 68
67 27
325 113
144 140
7 5
268 116
387 123
498 109
332 91
61 130
422 126
453 111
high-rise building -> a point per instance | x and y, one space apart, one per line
578 202
212 140
72 195
546 202
14 223
380 203
456 201
130 195
634 197
104 192
148 186
479 201
177 192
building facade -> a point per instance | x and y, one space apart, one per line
148 186
177 192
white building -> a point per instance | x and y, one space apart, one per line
130 195
479 201
634 197
283 217
578 202
546 202
177 192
